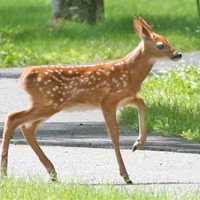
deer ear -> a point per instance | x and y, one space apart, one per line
144 23
141 30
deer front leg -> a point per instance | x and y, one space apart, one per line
109 112
139 103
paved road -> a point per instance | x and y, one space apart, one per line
149 170
94 135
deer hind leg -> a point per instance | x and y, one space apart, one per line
139 103
29 132
109 112
12 122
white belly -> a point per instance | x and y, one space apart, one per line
80 107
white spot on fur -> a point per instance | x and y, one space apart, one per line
97 73
107 73
39 79
117 64
58 72
118 84
40 89
124 84
58 80
114 80
103 83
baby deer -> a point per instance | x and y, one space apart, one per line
105 85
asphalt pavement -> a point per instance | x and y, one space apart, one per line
154 171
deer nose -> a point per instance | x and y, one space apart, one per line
176 56
179 55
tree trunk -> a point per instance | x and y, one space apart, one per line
91 11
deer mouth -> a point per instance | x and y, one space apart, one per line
177 56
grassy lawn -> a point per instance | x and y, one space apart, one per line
172 104
38 190
26 39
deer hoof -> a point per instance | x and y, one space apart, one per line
137 145
53 177
128 181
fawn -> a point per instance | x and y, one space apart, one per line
104 85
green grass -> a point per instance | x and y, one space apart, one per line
20 189
172 104
25 37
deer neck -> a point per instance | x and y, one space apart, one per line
139 63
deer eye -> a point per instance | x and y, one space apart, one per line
160 45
